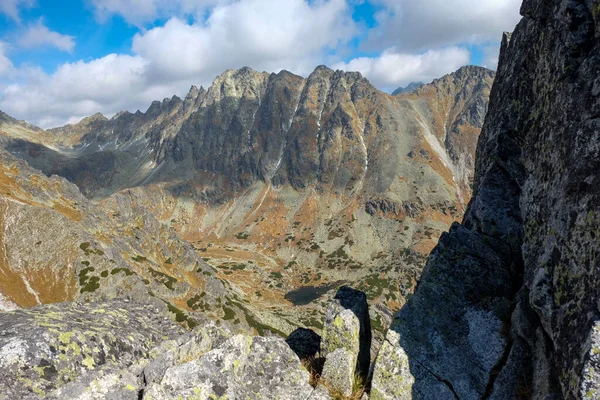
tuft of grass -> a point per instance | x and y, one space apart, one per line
358 389
314 366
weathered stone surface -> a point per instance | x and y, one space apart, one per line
590 379
44 348
338 371
185 348
105 384
304 342
508 302
320 393
348 326
392 377
242 367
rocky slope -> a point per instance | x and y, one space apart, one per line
508 305
127 350
56 246
288 186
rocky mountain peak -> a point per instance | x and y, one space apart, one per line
236 84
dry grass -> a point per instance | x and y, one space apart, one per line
358 389
314 366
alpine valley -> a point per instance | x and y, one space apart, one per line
247 202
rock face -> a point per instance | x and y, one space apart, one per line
127 350
508 305
346 342
44 348
347 325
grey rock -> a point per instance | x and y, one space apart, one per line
242 367
348 325
44 348
338 371
392 377
108 383
320 393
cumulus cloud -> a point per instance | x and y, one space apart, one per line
417 25
264 34
6 65
393 68
268 35
37 35
78 89
491 53
11 7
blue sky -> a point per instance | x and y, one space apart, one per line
63 60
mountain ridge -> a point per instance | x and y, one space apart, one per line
286 184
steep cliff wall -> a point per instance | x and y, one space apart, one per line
508 306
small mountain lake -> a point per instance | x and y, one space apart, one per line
307 294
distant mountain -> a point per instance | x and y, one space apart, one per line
408 89
287 185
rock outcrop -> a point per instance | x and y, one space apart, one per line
508 305
128 350
45 348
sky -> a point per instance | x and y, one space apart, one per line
62 60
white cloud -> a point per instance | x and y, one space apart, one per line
491 54
268 35
264 34
108 84
418 25
393 69
37 35
11 7
6 65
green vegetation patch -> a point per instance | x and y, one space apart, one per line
242 235
86 247
229 314
165 279
88 283
127 271
182 317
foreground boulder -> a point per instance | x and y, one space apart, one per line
347 325
121 351
346 342
45 348
243 367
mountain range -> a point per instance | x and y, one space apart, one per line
287 186
140 255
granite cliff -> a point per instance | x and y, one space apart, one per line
508 304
